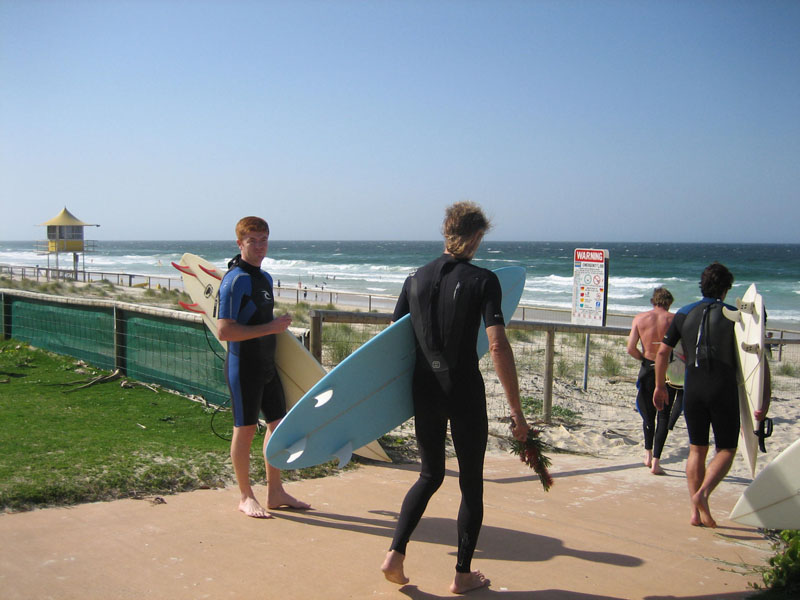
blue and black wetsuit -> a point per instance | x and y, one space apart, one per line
447 299
245 295
711 396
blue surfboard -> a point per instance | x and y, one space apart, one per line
367 395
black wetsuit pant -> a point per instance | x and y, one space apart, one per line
465 408
655 423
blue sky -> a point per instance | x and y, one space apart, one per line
567 120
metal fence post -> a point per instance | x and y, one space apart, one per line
120 359
5 324
586 364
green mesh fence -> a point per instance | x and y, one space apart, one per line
176 353
83 332
180 355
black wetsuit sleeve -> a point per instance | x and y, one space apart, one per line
673 335
493 298
401 309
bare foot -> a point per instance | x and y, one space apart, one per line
702 510
648 458
281 499
392 567
695 521
466 582
252 508
656 468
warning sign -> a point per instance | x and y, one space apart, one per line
590 287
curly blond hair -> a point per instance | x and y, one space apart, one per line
463 228
662 297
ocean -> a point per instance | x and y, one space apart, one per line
380 267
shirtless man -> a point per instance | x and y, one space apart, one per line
649 327
246 322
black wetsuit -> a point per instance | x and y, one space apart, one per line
711 396
655 423
447 299
245 295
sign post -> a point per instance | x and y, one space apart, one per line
590 287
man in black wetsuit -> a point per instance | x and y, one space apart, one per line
246 322
447 299
711 397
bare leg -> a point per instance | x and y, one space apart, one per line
715 472
277 497
392 567
240 457
695 473
466 582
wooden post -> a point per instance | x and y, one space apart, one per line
316 335
549 358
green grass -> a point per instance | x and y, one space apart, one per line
62 447
533 407
786 369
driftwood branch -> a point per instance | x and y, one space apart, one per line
102 379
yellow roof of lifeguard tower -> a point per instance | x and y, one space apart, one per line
67 218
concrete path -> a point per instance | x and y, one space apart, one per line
607 529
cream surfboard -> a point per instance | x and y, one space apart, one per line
750 331
676 369
772 500
298 369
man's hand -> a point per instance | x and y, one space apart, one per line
281 323
660 397
519 427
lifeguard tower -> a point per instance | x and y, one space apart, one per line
65 234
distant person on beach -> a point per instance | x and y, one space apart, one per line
247 323
447 299
711 397
649 328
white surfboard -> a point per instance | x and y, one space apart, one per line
297 368
772 500
750 331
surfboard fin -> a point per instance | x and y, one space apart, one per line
296 450
746 307
732 315
323 398
183 269
213 272
344 454
751 348
192 307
